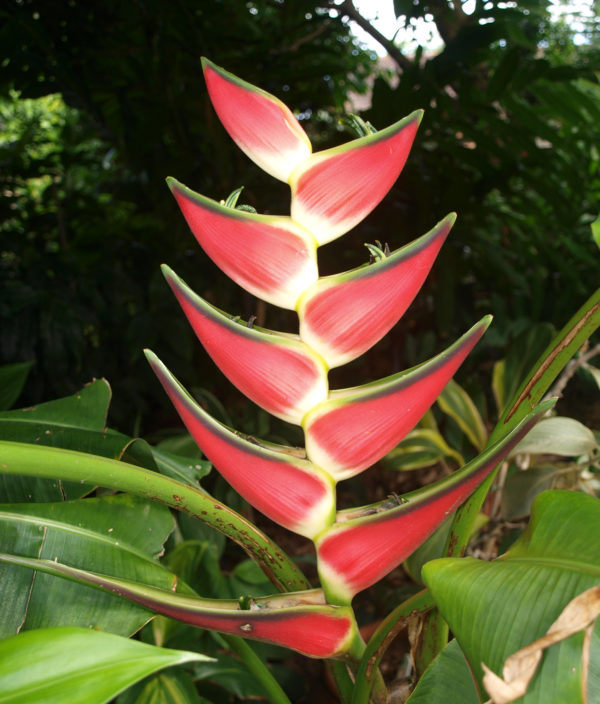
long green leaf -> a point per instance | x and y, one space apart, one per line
382 638
118 535
21 458
494 609
550 363
77 665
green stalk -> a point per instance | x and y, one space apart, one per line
56 463
381 639
257 667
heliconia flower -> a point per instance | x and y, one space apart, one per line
335 189
259 123
355 427
270 256
317 630
341 316
289 490
355 554
332 190
278 372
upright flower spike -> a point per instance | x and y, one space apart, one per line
278 372
355 427
270 256
333 190
316 630
342 316
354 554
258 122
289 490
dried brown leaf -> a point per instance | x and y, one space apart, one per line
578 615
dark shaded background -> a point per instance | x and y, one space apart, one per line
509 141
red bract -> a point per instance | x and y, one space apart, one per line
259 123
333 190
272 257
279 373
355 554
314 629
287 489
355 427
341 316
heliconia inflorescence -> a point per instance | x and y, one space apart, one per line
340 317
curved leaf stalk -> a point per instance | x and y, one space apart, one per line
51 462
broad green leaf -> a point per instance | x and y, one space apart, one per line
558 436
448 679
494 609
182 444
116 535
457 403
420 448
76 665
12 380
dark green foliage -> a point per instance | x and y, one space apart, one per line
509 141
88 218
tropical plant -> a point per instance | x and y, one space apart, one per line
97 542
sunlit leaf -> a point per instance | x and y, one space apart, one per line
77 665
